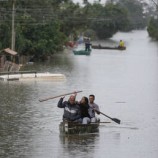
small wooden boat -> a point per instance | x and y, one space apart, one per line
78 128
105 47
82 52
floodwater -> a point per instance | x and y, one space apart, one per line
125 84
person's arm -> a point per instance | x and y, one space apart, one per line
76 117
75 94
61 104
96 109
98 112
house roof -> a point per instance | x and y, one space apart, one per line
8 50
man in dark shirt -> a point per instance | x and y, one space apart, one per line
71 109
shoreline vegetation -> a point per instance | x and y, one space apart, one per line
43 31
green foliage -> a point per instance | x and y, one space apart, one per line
135 13
111 18
153 28
70 18
5 31
41 39
43 26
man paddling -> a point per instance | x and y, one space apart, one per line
94 108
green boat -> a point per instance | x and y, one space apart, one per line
82 52
78 128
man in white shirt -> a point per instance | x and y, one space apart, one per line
94 108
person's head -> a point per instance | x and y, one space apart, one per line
84 100
91 98
72 99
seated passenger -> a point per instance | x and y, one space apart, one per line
84 106
121 44
71 109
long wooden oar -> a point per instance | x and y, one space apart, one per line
113 119
45 99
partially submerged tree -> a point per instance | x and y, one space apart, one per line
153 23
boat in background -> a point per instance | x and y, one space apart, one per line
30 75
105 47
82 52
78 128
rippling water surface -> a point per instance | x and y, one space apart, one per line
125 84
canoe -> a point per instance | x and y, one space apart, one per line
81 52
105 47
78 128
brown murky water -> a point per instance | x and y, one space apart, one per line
126 87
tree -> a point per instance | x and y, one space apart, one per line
153 28
110 19
34 35
153 23
135 13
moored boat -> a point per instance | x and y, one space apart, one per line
105 47
78 128
30 75
81 52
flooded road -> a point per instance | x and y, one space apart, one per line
125 84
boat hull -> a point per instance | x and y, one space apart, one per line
81 52
104 47
78 128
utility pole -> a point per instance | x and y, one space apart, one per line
13 26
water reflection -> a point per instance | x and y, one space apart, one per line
15 117
79 145
59 63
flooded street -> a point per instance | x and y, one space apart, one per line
125 84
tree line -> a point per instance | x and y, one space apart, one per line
153 23
44 27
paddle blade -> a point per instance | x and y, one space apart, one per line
116 120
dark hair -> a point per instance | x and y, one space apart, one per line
86 100
92 96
